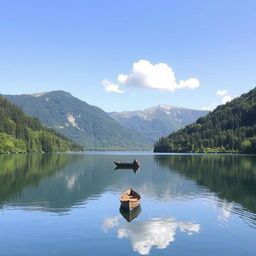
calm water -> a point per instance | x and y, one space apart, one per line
68 204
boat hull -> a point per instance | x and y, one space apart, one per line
130 199
130 205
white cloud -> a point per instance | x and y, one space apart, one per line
159 232
110 87
159 76
226 99
222 92
154 76
191 83
210 107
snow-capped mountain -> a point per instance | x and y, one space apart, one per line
159 120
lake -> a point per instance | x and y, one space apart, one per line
68 204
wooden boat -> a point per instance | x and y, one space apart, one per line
130 215
134 164
130 199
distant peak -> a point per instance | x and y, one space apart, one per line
59 92
164 106
39 94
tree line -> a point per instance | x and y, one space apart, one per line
20 133
229 128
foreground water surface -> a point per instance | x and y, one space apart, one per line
68 204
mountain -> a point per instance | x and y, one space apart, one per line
158 121
229 128
20 133
85 124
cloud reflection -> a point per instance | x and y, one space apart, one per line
225 213
159 232
110 222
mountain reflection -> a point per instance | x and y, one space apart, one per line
57 182
159 232
19 172
53 182
231 177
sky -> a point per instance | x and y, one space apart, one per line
128 55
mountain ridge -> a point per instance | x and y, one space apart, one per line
84 123
20 133
158 121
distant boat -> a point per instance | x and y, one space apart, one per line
130 199
130 215
135 164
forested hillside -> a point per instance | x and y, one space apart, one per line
20 133
85 124
229 128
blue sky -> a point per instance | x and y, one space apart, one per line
75 45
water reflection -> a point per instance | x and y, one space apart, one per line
110 222
225 213
219 192
53 182
231 177
130 215
135 169
33 179
159 232
57 182
19 172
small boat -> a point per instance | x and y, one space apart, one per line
130 215
135 164
130 199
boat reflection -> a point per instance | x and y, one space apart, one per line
130 215
135 169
